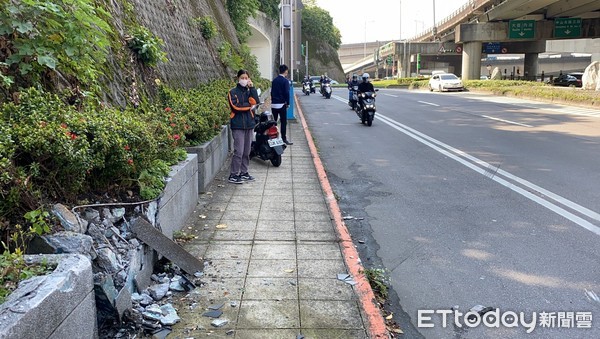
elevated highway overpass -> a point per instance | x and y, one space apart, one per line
483 27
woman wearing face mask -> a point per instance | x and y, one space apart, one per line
241 98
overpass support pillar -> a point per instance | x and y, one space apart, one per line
471 60
530 66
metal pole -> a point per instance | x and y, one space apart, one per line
434 28
365 43
292 29
400 22
281 37
306 57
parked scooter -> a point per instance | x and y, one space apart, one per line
268 144
353 102
366 108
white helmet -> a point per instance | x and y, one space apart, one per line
365 76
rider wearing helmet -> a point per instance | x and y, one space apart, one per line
365 86
352 83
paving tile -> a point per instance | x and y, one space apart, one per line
233 235
333 333
264 334
279 191
194 325
219 288
280 186
197 249
203 224
250 189
324 289
316 236
307 191
343 314
309 198
311 216
226 268
228 250
314 226
319 251
275 225
273 250
268 288
235 225
277 201
241 215
313 186
213 198
276 268
275 235
325 268
268 314
215 206
271 213
251 205
317 206
244 198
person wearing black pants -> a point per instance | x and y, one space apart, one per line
280 100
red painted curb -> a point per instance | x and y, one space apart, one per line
376 324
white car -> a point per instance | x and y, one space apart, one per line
445 82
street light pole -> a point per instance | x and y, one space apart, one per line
400 22
365 41
434 27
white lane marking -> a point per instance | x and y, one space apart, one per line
506 121
590 112
390 95
338 98
564 201
455 154
429 103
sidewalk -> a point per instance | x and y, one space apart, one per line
273 249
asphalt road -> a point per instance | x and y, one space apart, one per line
467 200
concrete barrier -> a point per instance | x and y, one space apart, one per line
179 197
57 305
212 155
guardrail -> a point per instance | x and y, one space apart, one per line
450 21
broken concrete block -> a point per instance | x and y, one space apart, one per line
165 246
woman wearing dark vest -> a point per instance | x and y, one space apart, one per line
241 98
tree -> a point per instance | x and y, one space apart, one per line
317 24
240 11
270 8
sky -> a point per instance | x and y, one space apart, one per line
382 17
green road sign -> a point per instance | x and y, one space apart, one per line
390 60
521 29
567 27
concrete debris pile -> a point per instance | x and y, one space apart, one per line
130 297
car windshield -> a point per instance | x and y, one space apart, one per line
448 77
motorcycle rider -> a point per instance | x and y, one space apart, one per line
326 80
364 86
306 80
352 83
